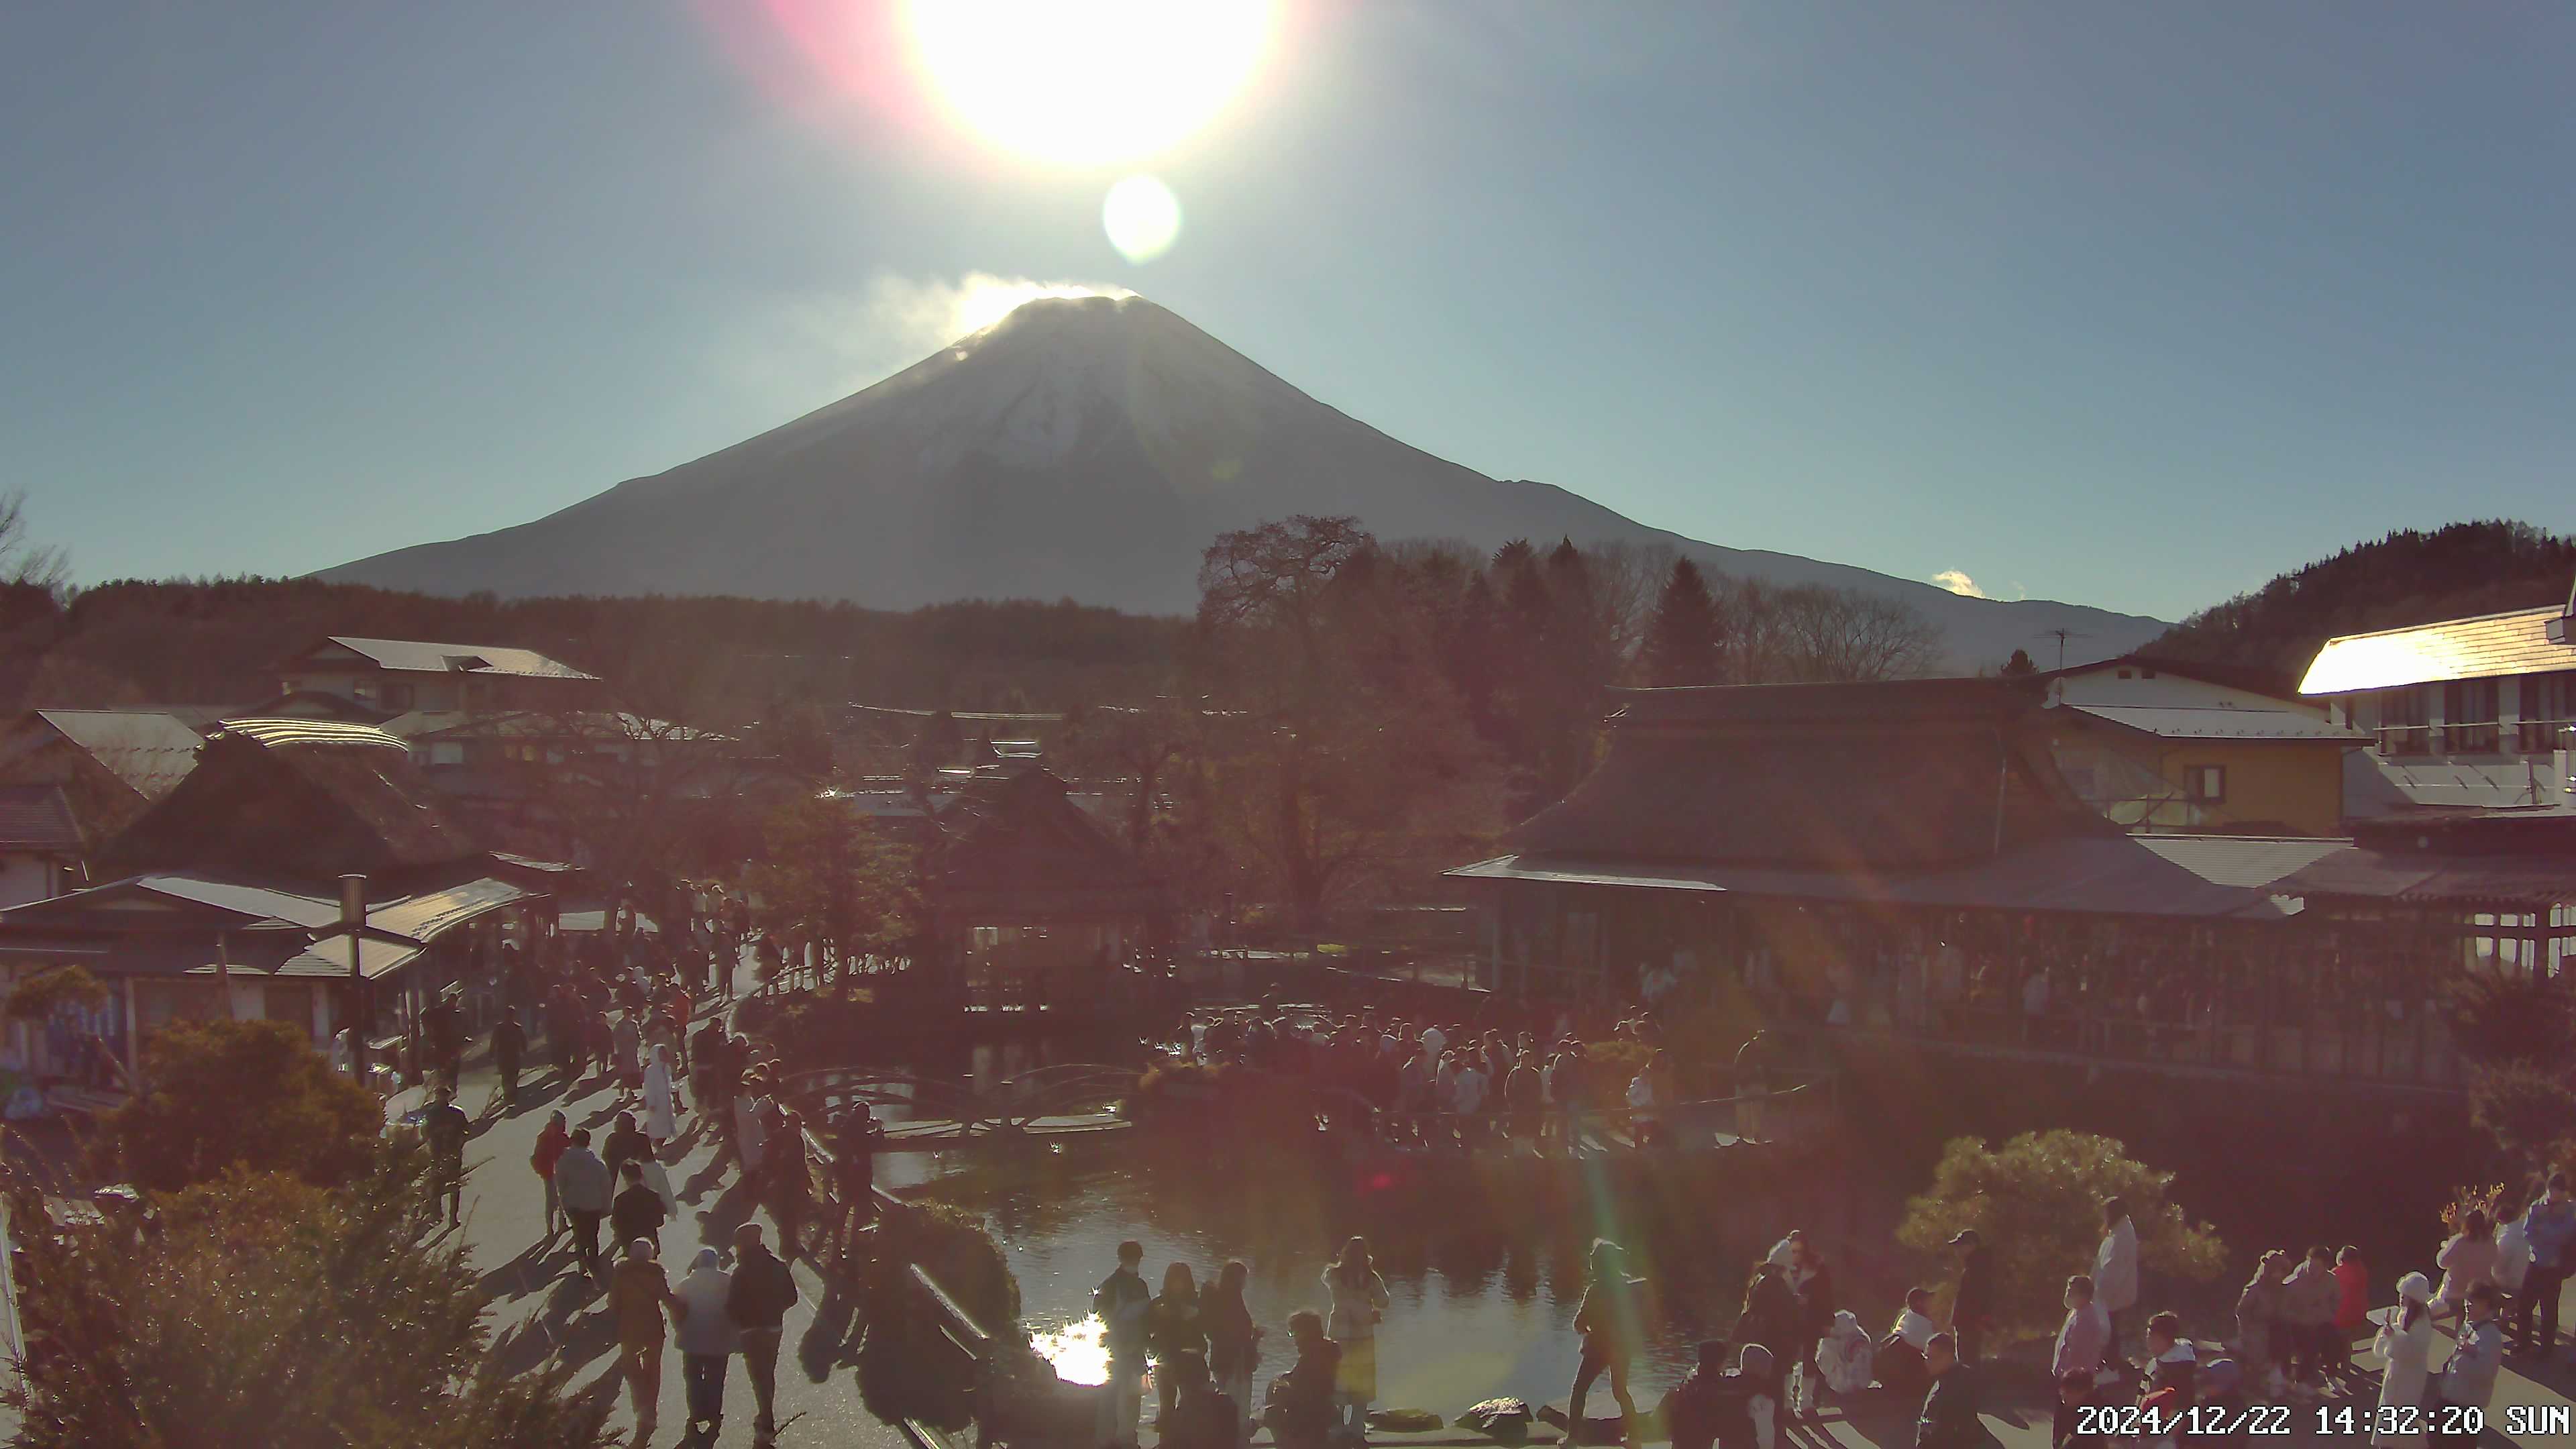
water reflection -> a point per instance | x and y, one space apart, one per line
1485 1262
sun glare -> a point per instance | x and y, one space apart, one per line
986 300
1088 82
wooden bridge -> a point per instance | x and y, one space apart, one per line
1070 1099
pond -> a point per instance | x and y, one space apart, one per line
1483 1260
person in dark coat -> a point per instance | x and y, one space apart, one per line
1301 1410
1973 1306
446 1128
1173 1328
509 1048
763 1290
1200 1417
637 1211
1811 1284
626 1143
1234 1340
1770 1316
1949 1418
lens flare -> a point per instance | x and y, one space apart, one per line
1088 82
1142 217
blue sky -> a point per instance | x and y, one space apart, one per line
2131 305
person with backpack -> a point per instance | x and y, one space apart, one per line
1715 1407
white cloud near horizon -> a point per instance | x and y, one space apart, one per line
1958 582
835 343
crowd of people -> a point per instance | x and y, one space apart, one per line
622 1013
1439 1083
1204 1346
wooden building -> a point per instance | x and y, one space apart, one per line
1025 892
224 901
1906 859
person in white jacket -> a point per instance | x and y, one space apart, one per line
1845 1356
2405 1341
2115 1267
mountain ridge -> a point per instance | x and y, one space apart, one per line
1082 448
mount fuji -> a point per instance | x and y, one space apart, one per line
1085 448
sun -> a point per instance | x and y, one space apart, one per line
1085 83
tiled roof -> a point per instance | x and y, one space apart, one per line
2183 722
419 656
37 818
2488 647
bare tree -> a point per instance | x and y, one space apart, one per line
1811 634
25 564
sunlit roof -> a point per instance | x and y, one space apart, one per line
2490 646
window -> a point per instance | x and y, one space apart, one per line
2469 717
397 696
2206 784
447 752
2401 722
2548 706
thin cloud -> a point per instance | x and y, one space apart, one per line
836 343
1957 582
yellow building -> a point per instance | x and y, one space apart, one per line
2164 747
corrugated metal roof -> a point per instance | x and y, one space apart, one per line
150 750
290 730
420 656
37 818
2194 876
423 916
310 912
2490 646
2186 722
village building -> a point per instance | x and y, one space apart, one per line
2465 714
111 763
400 676
1906 861
223 899
1026 895
42 852
2174 747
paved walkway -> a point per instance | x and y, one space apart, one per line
543 1305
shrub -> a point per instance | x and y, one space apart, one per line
2503 1017
2037 1203
259 1309
220 1095
2527 1111
907 1369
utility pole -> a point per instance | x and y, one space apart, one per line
353 919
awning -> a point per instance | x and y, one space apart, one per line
2201 877
2533 881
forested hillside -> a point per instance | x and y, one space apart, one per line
214 642
2408 577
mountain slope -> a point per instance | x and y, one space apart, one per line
1084 448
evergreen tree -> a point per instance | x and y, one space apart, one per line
1682 643
2019 665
